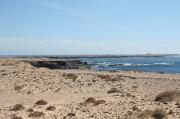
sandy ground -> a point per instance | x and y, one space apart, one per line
27 92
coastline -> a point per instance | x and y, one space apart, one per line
83 93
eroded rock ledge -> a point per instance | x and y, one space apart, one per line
60 64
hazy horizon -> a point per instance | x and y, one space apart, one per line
76 27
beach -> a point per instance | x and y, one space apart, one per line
28 92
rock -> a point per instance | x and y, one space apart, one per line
59 64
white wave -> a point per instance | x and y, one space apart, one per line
108 64
142 64
163 63
127 64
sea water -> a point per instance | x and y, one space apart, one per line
166 63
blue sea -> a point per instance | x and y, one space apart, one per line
165 63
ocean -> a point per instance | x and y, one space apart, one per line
161 63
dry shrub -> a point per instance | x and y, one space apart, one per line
144 115
114 79
161 72
36 114
135 71
159 114
168 96
18 88
4 74
98 102
135 108
15 117
3 70
113 90
41 102
109 78
133 77
129 113
93 101
170 112
71 76
156 114
71 114
104 76
30 110
17 107
51 108
89 100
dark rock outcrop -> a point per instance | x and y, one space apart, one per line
60 64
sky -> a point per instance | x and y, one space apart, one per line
59 27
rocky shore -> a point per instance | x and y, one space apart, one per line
52 89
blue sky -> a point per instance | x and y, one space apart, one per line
43 27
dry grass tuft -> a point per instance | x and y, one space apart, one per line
156 114
36 114
41 102
17 107
168 96
51 108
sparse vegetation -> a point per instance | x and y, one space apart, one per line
41 102
168 96
36 114
17 107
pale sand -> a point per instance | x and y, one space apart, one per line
20 83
